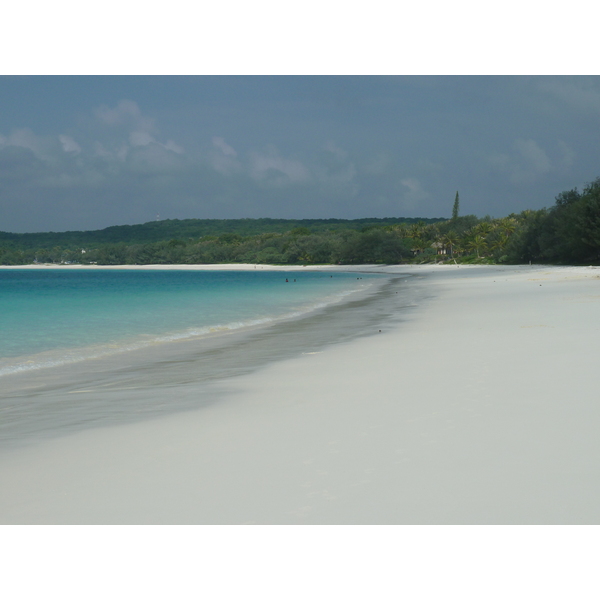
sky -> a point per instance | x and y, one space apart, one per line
321 109
87 152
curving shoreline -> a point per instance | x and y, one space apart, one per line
124 384
477 406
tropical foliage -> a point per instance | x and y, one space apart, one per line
568 232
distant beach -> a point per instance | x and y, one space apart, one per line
452 395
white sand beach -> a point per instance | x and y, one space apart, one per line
479 407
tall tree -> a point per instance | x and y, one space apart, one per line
455 207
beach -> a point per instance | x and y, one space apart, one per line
472 399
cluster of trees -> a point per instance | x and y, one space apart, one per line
568 232
462 239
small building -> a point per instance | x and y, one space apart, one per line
440 248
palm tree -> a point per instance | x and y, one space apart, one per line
459 247
484 228
499 243
507 225
432 230
503 240
478 244
401 229
415 230
450 240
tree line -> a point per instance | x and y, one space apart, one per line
461 239
185 229
566 233
297 246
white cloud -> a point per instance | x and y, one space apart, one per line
340 154
276 169
223 158
129 131
173 147
412 184
223 146
126 113
69 144
25 138
140 138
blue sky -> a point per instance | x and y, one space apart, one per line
87 152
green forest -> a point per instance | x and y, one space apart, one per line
566 233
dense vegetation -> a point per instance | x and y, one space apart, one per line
187 229
216 241
568 232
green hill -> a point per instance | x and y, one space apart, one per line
186 229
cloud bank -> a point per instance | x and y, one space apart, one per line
297 148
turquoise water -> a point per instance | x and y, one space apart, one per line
50 317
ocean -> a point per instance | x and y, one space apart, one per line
52 317
87 347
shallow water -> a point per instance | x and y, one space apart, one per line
56 317
162 378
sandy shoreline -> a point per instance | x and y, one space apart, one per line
182 267
481 407
124 384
